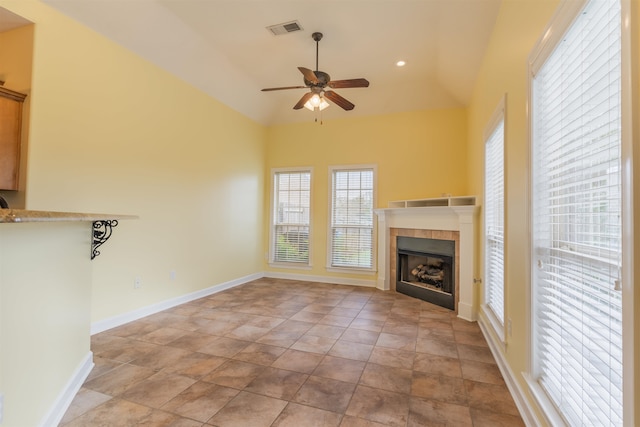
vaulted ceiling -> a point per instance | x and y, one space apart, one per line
223 48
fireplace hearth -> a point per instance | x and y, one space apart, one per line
425 269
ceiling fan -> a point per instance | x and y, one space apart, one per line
318 81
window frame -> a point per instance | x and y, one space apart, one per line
273 217
374 234
498 117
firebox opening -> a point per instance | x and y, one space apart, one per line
426 270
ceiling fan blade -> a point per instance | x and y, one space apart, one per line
283 88
338 100
303 101
341 84
309 75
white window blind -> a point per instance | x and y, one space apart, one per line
576 184
292 201
351 231
494 222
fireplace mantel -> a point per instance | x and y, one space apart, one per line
450 217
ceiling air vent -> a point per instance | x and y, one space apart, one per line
284 28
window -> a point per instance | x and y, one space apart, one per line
291 216
576 219
494 220
351 231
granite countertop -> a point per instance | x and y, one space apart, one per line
25 215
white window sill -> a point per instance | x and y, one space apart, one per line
353 270
290 265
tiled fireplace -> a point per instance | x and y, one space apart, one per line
448 227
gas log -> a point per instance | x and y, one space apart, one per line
432 272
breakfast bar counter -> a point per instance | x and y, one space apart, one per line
46 280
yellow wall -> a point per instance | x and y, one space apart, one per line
111 132
16 53
418 154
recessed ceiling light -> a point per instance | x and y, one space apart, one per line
400 63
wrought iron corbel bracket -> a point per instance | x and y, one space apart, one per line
101 232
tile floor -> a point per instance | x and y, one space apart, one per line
290 353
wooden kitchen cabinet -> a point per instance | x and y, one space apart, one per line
10 129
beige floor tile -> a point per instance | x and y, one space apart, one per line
298 361
192 341
367 324
437 347
225 347
360 336
481 372
470 338
437 365
201 401
340 369
119 380
295 415
436 334
391 357
314 344
102 366
319 308
349 421
163 335
195 365
160 358
278 383
492 419
260 354
123 349
380 406
423 412
437 387
115 412
294 327
387 378
351 350
490 397
248 409
474 352
307 316
235 374
397 342
328 331
397 328
83 402
157 389
248 332
325 393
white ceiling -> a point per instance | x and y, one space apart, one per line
223 48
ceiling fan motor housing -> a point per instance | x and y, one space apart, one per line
323 79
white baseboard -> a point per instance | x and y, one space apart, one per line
121 319
527 412
466 312
61 404
321 279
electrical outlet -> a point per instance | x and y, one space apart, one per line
137 283
509 326
172 274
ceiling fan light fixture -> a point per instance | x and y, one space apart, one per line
316 102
